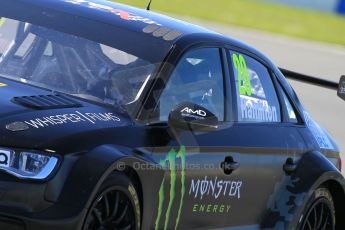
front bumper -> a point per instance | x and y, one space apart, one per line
33 205
23 207
10 222
61 201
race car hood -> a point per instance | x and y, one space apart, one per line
29 120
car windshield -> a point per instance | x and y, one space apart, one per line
71 64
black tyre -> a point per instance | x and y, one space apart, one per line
320 212
116 206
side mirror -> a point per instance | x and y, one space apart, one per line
190 116
341 89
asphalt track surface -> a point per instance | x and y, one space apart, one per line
316 59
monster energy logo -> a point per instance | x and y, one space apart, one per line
170 161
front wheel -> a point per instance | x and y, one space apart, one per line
116 207
320 211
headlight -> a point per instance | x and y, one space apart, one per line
24 164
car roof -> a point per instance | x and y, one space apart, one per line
109 23
156 31
118 14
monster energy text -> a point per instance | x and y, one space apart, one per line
215 188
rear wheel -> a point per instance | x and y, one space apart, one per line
116 207
320 212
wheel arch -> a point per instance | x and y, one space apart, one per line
92 169
338 195
291 194
149 180
315 170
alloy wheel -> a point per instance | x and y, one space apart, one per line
112 210
319 216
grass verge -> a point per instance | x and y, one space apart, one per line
290 21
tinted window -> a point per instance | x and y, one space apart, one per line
257 100
198 78
288 107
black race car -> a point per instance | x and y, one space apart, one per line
118 118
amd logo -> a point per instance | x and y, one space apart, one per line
199 112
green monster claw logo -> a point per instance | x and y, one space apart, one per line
170 161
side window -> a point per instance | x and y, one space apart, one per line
288 106
257 100
197 78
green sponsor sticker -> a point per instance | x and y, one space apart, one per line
170 161
2 21
244 84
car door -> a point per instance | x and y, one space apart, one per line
195 192
263 143
229 176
